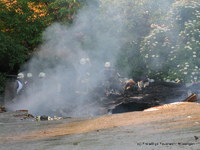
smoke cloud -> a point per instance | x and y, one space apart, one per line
92 35
99 32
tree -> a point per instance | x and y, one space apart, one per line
25 27
63 11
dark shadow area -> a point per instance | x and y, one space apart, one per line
129 107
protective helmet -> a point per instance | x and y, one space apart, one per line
107 64
42 75
87 59
20 75
82 61
29 75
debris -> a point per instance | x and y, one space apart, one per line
57 118
2 109
191 98
23 115
41 118
30 116
196 138
130 84
142 84
21 110
44 118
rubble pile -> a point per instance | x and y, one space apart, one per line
155 94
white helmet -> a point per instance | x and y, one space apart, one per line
42 75
83 61
29 75
87 59
107 64
20 75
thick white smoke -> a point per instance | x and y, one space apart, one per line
92 35
99 32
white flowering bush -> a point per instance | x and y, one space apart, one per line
171 51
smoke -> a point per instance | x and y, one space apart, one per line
63 89
99 32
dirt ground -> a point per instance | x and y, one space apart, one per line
172 126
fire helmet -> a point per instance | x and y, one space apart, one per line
107 64
29 75
83 61
42 75
20 75
87 59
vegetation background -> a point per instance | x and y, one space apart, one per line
162 42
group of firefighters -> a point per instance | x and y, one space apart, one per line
24 79
111 81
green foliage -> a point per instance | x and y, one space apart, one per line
23 27
12 54
63 10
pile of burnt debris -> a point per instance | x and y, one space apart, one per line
155 94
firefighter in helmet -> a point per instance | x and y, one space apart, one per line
83 81
20 82
111 79
42 75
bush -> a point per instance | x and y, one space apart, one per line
171 50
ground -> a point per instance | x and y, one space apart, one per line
143 126
173 126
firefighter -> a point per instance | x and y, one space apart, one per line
111 79
42 75
83 81
28 79
109 72
20 82
14 88
23 82
29 75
